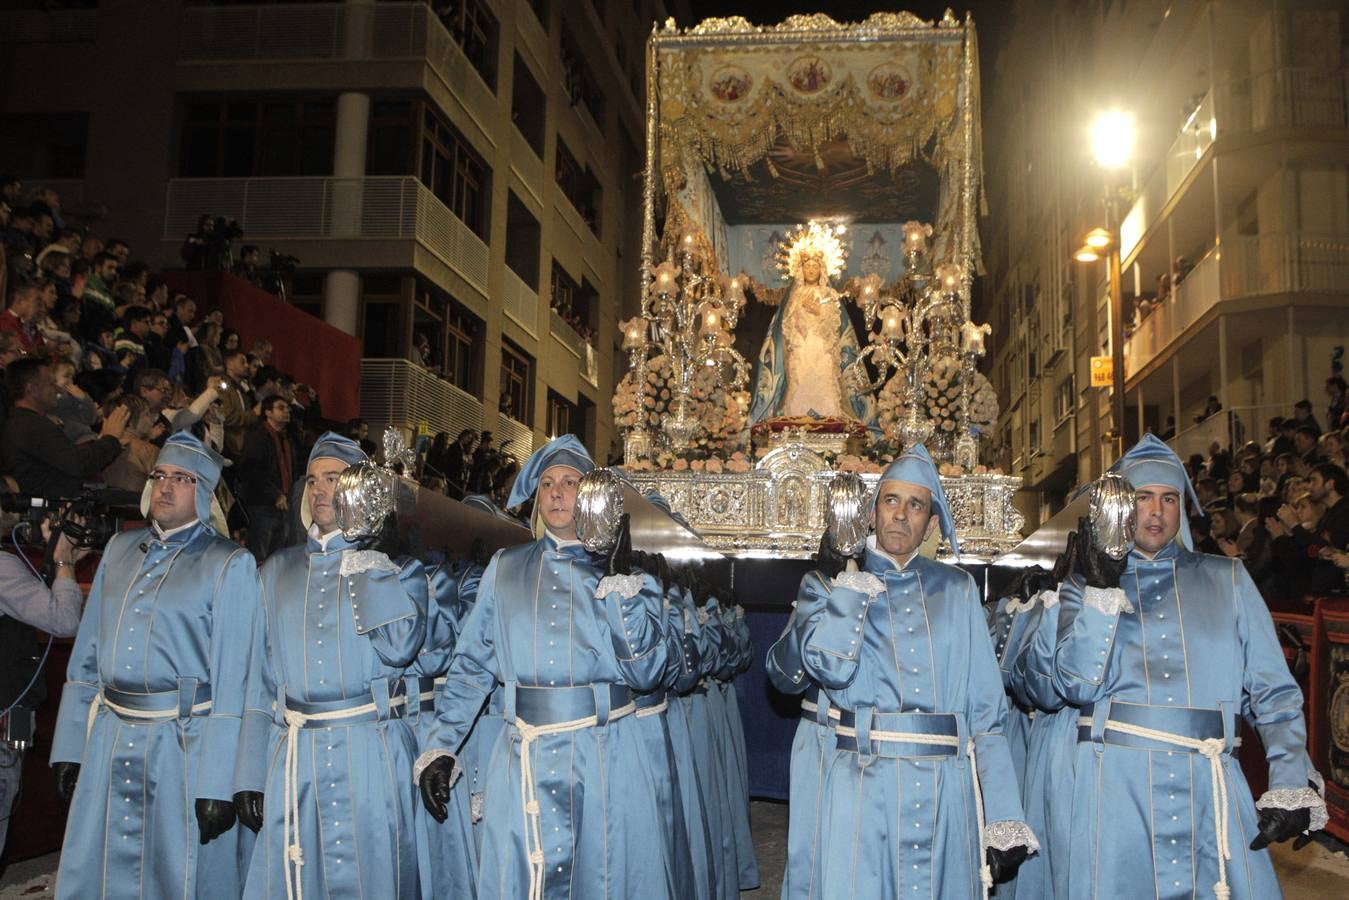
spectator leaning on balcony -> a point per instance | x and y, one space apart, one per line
36 452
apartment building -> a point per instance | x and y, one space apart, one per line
1231 222
466 171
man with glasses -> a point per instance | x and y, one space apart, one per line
151 711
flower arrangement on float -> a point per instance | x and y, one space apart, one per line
721 415
942 391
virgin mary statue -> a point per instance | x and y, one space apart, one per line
810 341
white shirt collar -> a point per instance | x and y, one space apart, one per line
561 542
323 539
874 546
161 534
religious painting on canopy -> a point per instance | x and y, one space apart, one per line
812 273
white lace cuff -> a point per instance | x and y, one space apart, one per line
1297 798
701 614
628 586
1008 834
477 806
1110 601
354 562
862 582
1048 599
431 756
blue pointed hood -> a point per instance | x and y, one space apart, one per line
1151 461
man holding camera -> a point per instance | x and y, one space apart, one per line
151 710
29 605
1163 653
903 655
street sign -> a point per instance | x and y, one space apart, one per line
1102 371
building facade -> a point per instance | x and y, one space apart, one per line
463 176
1232 226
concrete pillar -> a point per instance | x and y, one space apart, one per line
342 287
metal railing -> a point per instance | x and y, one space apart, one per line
519 302
1278 98
319 208
403 394
1243 266
1228 428
520 435
387 32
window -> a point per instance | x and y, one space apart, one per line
517 380
248 138
463 349
523 237
1064 399
474 29
582 88
579 186
529 106
455 173
41 146
390 144
563 417
1033 440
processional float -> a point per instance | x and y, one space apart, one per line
739 117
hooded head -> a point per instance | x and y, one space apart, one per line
567 451
915 466
330 445
185 451
1152 462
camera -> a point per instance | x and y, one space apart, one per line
89 520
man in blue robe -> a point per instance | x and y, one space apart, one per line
326 742
154 697
570 810
1162 653
902 651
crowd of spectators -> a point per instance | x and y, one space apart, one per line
1282 504
102 361
470 464
1145 304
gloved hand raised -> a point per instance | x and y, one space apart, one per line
1096 567
621 558
214 818
248 804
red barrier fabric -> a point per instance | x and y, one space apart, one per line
309 349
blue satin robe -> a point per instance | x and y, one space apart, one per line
1200 636
812 749
907 827
536 622
735 655
157 618
327 637
681 679
447 859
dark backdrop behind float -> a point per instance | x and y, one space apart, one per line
309 349
766 589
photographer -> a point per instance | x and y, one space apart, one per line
28 605
248 267
208 248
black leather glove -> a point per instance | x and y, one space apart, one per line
65 774
435 787
1004 863
1063 564
248 804
621 559
1280 825
214 818
1095 566
1031 581
828 560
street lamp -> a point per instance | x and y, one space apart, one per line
1112 146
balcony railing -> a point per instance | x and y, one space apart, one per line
569 338
387 32
403 394
1278 98
320 208
520 303
1244 266
515 438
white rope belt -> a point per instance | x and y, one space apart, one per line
941 740
529 800
291 829
656 710
1212 750
126 712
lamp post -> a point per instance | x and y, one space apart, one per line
1112 145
